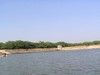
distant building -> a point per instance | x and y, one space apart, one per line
59 47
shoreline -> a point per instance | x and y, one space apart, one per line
23 51
81 47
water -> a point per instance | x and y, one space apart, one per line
52 63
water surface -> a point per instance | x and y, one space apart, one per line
85 62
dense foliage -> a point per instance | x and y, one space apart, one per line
30 45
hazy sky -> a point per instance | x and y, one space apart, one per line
50 20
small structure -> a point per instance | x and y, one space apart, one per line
59 47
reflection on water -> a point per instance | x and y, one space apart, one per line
52 63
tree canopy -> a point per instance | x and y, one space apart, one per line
18 44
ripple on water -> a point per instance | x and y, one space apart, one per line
52 63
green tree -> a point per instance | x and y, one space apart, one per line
62 43
1 45
9 45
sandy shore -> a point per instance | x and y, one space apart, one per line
20 51
81 47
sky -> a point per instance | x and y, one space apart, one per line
50 20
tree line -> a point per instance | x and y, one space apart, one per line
30 45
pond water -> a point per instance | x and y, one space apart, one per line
85 62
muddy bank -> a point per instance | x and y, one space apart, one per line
21 51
